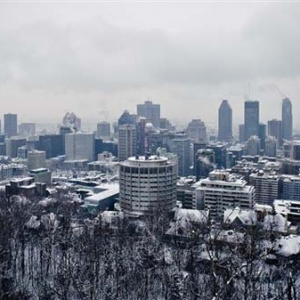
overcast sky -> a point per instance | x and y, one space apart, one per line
97 59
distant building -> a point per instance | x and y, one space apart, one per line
262 135
41 175
147 185
251 119
287 119
271 146
241 132
196 131
182 148
10 125
204 163
103 130
150 111
127 141
223 190
80 146
253 146
27 129
12 144
72 121
225 122
52 144
291 188
275 130
36 159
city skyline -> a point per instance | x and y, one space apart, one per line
97 59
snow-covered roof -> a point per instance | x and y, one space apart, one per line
288 245
276 223
247 217
185 216
228 236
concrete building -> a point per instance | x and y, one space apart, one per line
222 190
12 144
204 163
150 111
52 144
290 188
147 185
36 159
271 146
80 146
10 125
266 187
103 130
182 148
196 131
289 209
251 119
42 175
275 130
287 119
127 141
252 146
225 122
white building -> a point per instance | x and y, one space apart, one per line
222 190
36 159
80 146
147 185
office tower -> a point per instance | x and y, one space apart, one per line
10 125
225 122
182 148
220 154
196 131
204 163
12 144
275 130
287 119
127 141
241 132
266 187
262 135
271 146
252 146
147 185
27 129
165 124
126 118
103 130
143 132
150 111
291 188
80 146
52 144
251 118
223 190
36 159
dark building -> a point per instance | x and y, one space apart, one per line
251 119
204 163
98 147
241 132
150 111
53 144
275 130
225 122
287 119
10 125
262 135
13 144
181 147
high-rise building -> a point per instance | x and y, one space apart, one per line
225 122
150 111
271 146
252 146
103 130
291 188
241 132
204 163
36 159
80 146
182 148
147 185
275 130
27 129
287 119
10 125
251 119
53 144
262 135
127 141
12 144
196 131
222 190
266 187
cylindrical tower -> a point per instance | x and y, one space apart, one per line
147 185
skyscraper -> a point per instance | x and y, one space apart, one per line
251 118
127 141
275 130
150 111
287 119
181 147
10 125
225 122
196 131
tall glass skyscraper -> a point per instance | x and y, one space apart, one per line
225 122
10 125
287 119
251 119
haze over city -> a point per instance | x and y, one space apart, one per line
97 59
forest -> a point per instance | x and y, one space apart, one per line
52 249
